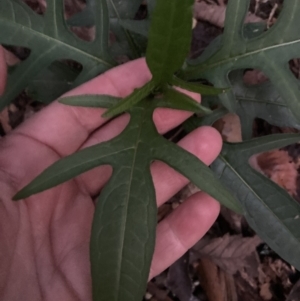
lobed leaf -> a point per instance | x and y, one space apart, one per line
270 52
49 40
268 208
260 101
57 79
124 224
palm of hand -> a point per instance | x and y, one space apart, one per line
46 249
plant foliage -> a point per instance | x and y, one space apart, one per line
49 39
124 223
270 52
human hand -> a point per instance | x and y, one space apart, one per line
44 250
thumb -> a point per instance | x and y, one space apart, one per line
3 71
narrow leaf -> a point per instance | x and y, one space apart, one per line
129 101
123 232
197 172
92 101
176 100
70 167
167 35
198 88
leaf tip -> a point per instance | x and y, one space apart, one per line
62 101
107 114
18 196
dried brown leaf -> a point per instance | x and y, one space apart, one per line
230 128
228 252
218 285
280 168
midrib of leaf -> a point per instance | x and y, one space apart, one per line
137 142
237 57
263 101
254 193
43 37
166 53
237 174
101 37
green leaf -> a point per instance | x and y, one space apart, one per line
169 39
84 18
49 40
49 84
123 233
198 88
129 101
174 99
270 211
137 26
196 171
70 167
91 101
119 10
269 52
125 43
151 6
260 101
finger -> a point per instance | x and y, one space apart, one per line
179 231
65 128
3 72
205 143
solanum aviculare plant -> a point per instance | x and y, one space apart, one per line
123 231
124 223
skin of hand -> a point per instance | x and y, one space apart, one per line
44 249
